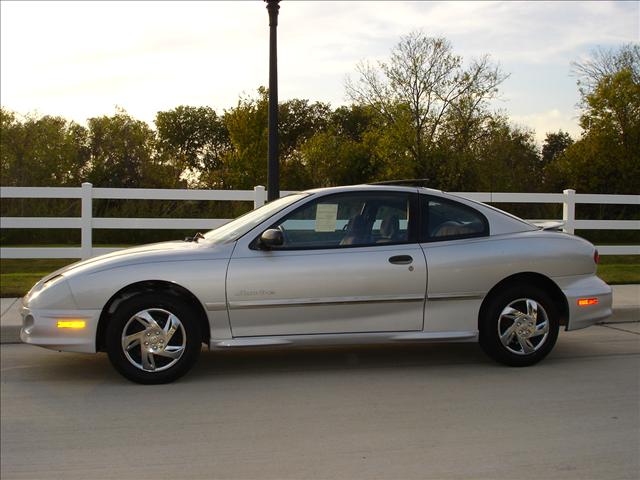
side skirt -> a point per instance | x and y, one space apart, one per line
344 339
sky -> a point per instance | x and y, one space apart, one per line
85 58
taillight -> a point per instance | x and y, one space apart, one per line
596 257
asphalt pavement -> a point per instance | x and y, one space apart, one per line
399 412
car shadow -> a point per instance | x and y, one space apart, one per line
76 368
281 361
275 360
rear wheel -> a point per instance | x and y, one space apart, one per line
153 338
519 326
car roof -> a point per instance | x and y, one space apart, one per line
370 187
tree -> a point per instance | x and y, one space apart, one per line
614 107
298 121
507 159
41 151
607 157
554 145
339 155
352 121
122 153
605 63
246 163
195 140
425 80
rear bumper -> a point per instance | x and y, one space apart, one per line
40 327
588 286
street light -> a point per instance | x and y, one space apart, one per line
273 176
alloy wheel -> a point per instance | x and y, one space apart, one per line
153 340
523 326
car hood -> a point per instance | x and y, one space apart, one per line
165 252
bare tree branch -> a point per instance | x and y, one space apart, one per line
425 75
604 62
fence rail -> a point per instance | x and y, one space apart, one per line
86 222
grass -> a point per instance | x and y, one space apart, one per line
619 269
17 276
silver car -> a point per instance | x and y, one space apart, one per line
344 265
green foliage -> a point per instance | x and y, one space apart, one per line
247 126
605 62
423 87
44 151
334 160
554 145
607 157
508 160
298 121
423 113
122 154
194 140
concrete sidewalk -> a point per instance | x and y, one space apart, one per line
626 304
10 321
626 308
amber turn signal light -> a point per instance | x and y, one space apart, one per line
77 324
585 302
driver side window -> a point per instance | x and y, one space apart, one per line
347 220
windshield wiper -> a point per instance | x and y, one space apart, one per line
195 238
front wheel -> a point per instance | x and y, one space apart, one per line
519 326
153 338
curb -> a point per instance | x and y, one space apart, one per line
624 314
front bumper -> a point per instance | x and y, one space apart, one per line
40 327
588 286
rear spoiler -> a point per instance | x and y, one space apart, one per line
549 225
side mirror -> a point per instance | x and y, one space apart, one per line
271 238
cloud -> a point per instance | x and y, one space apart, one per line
544 122
78 58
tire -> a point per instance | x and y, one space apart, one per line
153 338
511 333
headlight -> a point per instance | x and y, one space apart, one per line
38 287
54 293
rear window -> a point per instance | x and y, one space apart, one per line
448 220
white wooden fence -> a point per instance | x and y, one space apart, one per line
86 222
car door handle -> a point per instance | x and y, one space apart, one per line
401 259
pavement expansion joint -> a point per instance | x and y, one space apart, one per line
9 307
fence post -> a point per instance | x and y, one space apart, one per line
86 220
569 211
260 196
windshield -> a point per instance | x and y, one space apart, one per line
236 228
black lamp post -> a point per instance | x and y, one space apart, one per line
273 176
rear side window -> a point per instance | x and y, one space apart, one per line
448 220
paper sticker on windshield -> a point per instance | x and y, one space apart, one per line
326 216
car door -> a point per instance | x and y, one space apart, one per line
350 263
455 240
